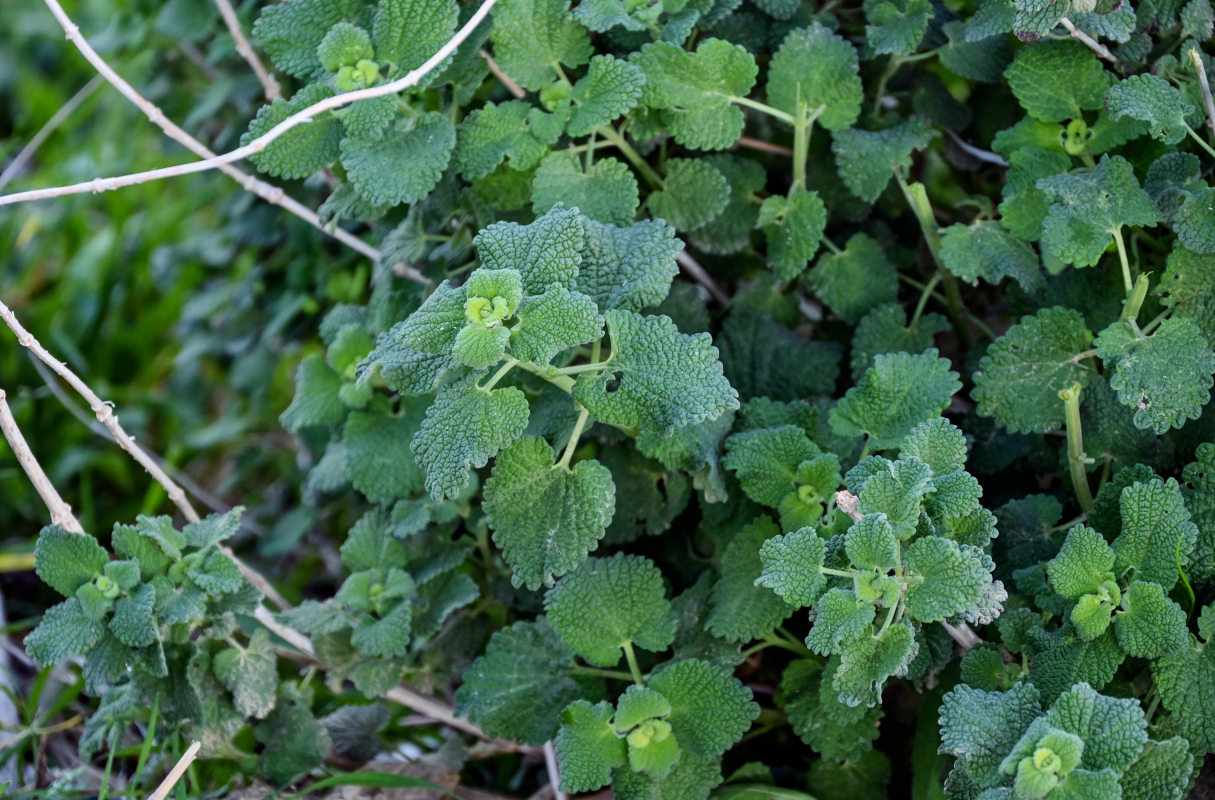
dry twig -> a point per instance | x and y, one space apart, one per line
269 84
701 276
61 512
1092 44
1205 85
179 769
511 86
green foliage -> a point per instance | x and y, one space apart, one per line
578 438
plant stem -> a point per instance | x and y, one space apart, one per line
634 669
889 618
774 640
1134 300
1123 261
917 198
562 382
572 444
506 367
1075 447
634 158
764 109
837 572
924 295
580 368
1201 142
1205 85
612 674
802 129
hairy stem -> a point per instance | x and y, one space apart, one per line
917 199
1135 298
634 668
572 444
611 674
1201 142
839 573
925 293
633 157
802 129
783 116
1077 463
1123 262
506 367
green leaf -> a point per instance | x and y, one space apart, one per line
831 728
388 636
871 544
693 449
492 134
290 34
1157 534
294 741
133 622
637 705
939 444
1083 564
840 617
1055 81
1199 493
588 748
1113 729
1151 99
530 36
710 709
985 250
1165 377
210 530
546 517
603 15
1020 378
866 160
1188 288
693 90
1162 772
1090 207
885 329
552 322
630 268
1061 660
954 578
464 428
218 574
1149 625
372 545
344 45
897 393
480 347
1186 681
379 462
250 674
661 379
545 252
816 68
518 689
794 227
610 88
693 194
765 461
856 280
897 26
65 630
434 326
980 728
302 150
763 358
408 32
895 489
609 602
405 164
791 567
741 610
66 561
866 663
606 193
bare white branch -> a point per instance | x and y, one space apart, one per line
511 85
179 769
61 512
269 84
260 143
18 163
1205 85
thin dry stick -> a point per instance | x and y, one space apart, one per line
271 194
554 773
46 130
1092 44
518 91
1205 85
260 143
107 417
61 512
179 769
762 146
269 84
698 274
